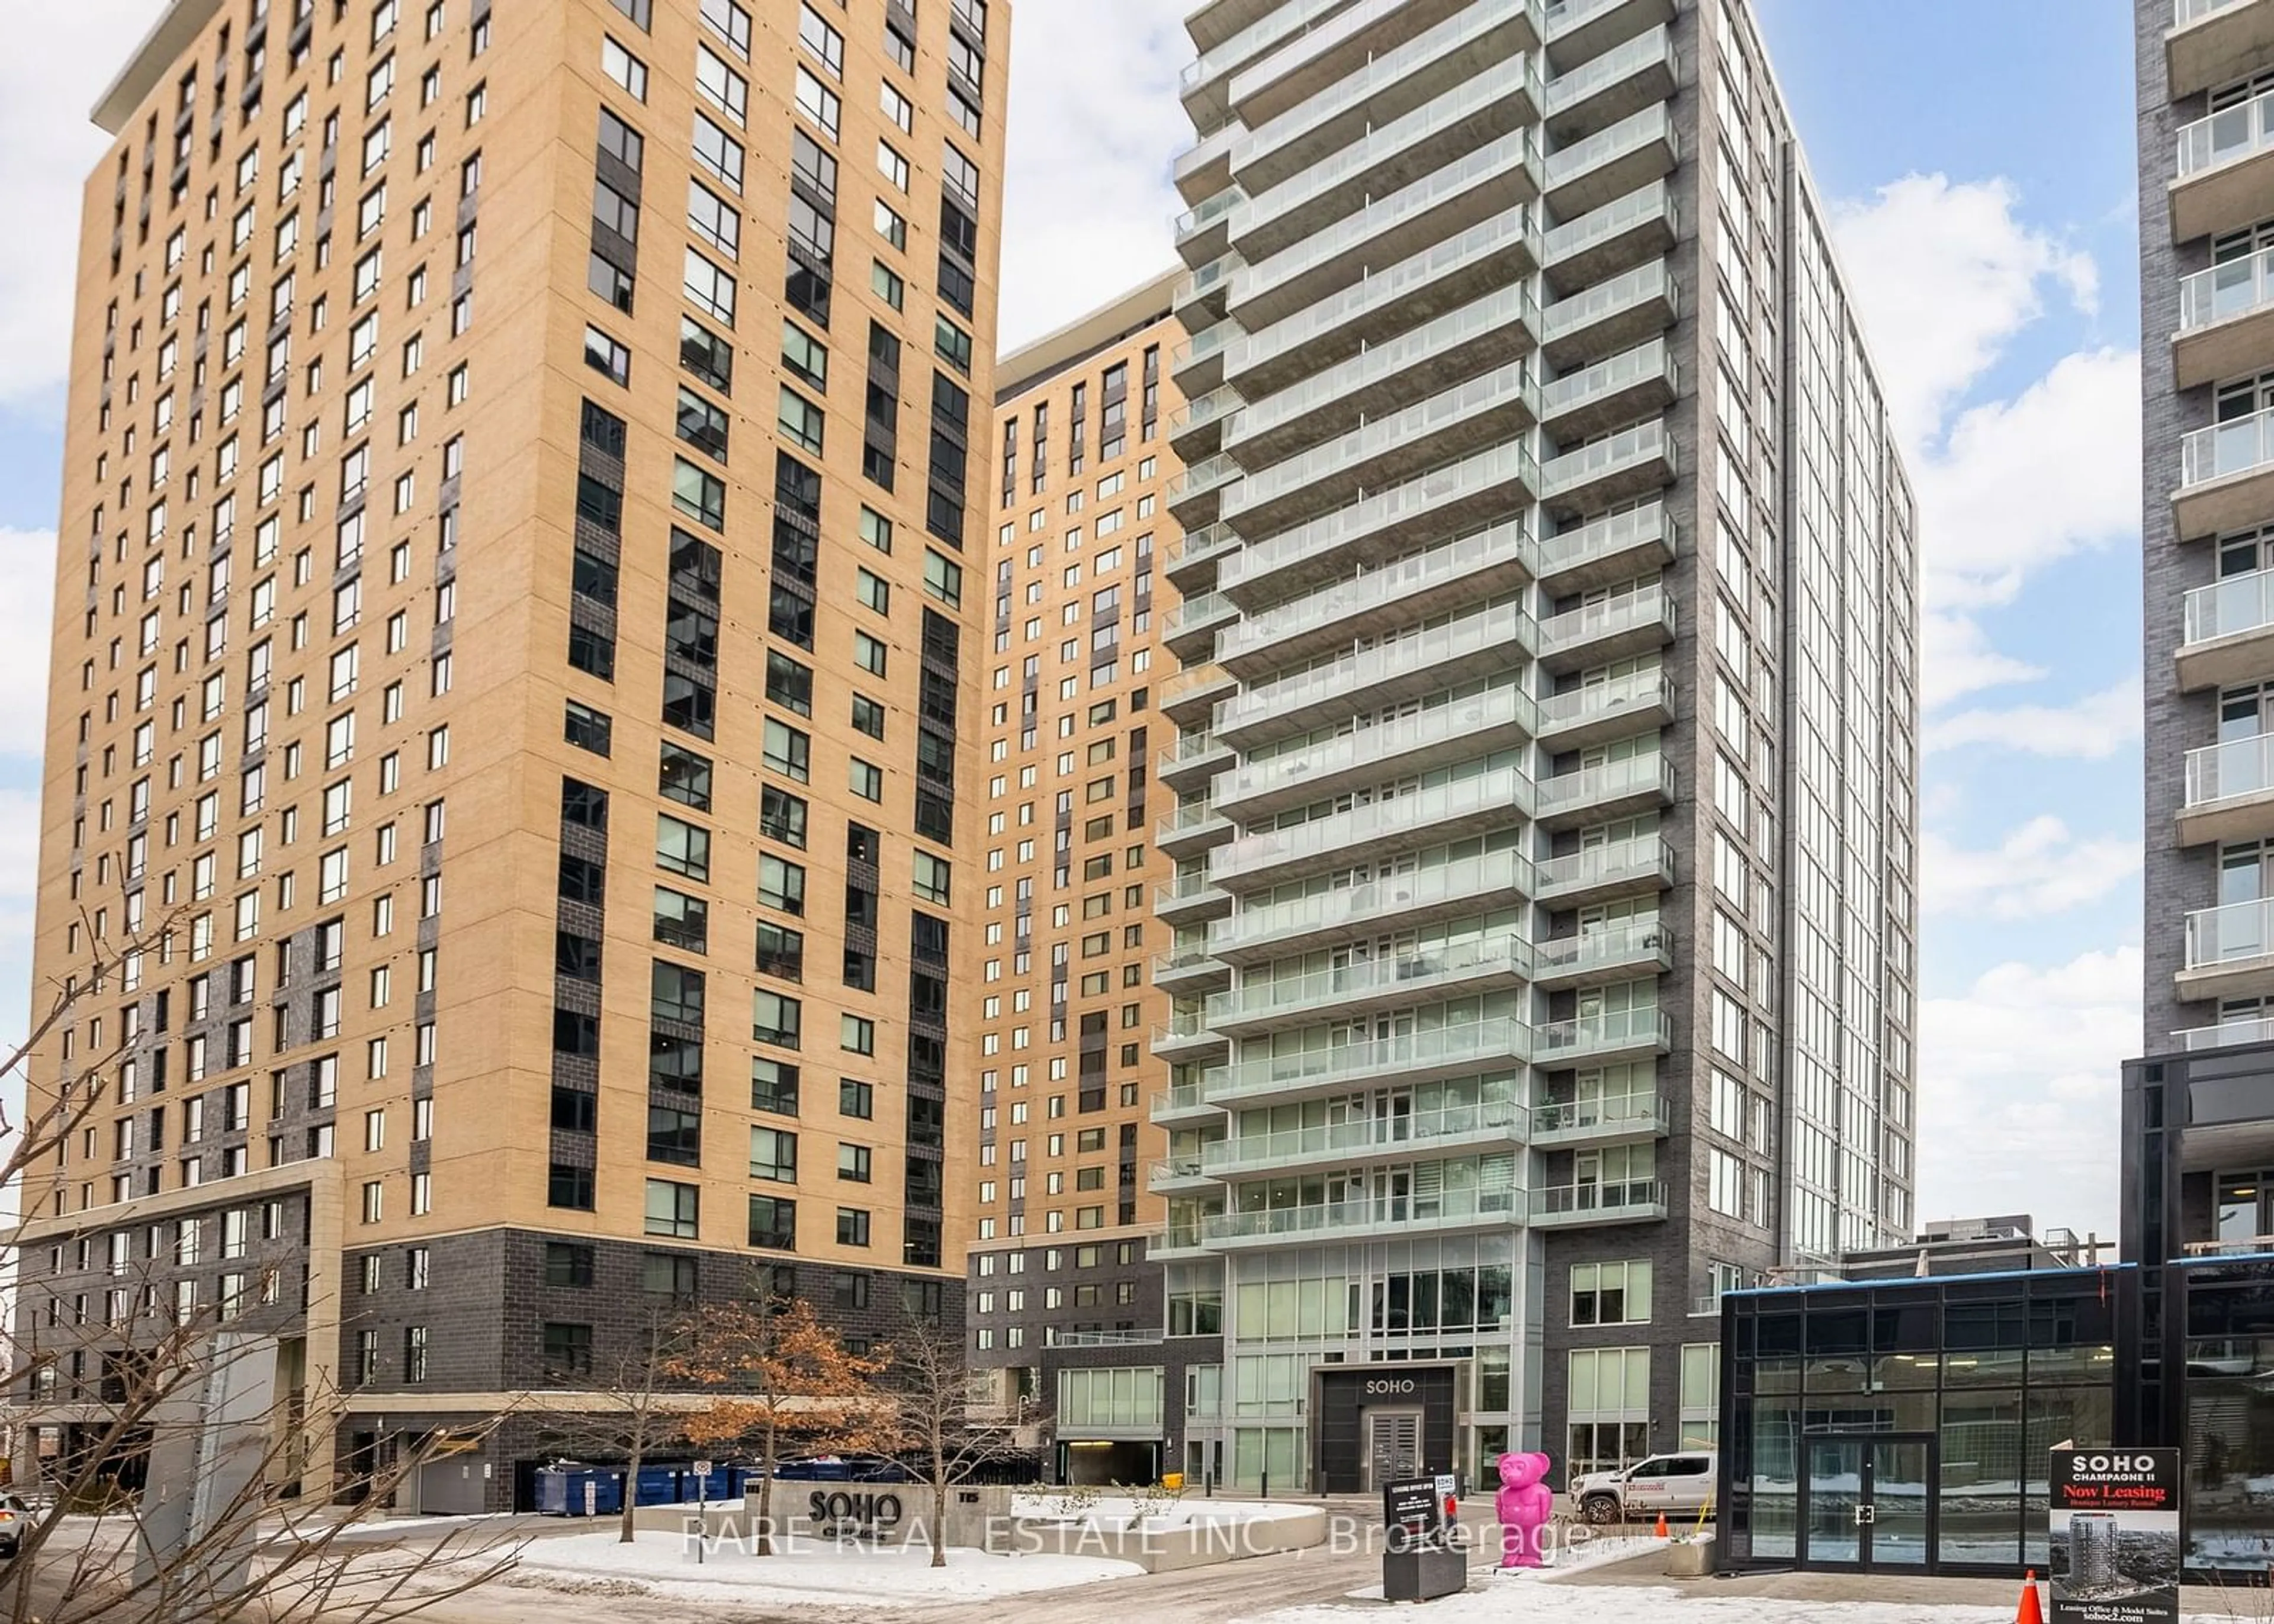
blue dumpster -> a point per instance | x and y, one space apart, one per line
561 1492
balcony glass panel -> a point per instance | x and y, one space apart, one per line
1453 483
1415 650
2238 603
1639 444
2230 133
2227 449
1650 124
1591 622
1613 65
1501 707
1510 152
2238 931
1450 1206
1486 1044
1252 41
1375 1133
1612 778
1600 537
1608 220
1619 1029
1603 865
1621 1113
1637 691
1501 787
2239 767
1644 281
1619 371
1417 971
2227 290
1608 1199
1491 392
1417 572
1392 894
2193 11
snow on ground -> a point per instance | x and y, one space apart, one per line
803 1570
1488 1601
1123 1511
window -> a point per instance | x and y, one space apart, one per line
672 1209
682 848
665 1276
817 101
852 1227
892 165
852 1164
603 354
856 1098
865 779
775 1018
773 1154
773 1223
856 1035
869 653
781 884
625 68
568 1349
801 421
786 750
1610 1293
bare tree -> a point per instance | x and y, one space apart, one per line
781 1373
217 1540
938 1434
644 1408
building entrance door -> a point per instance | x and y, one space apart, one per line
1393 1447
1864 1503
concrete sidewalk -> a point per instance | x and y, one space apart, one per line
1910 1590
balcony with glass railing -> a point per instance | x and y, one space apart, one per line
1390 155
1632 462
1190 559
1204 82
2229 793
1609 952
1313 63
1618 1119
1612 789
2226 476
1460 195
1380 1215
1204 169
1405 1057
1562 1206
1439 813
1191 697
2226 1034
1459 496
1635 867
1415 662
1197 365
2213 41
1470 885
1617 546
1617 708
1611 316
1614 162
1187 765
1197 428
1479 567
1176 1175
1385 88
1189 899
1190 972
2227 633
1193 828
1600 92
1203 231
1610 628
1199 294
1578 30
1490 254
1471 416
1187 1038
1616 390
2229 952
1191 628
1421 976
2225 165
1617 236
1620 1035
2226 320
1487 1125
1461 730
1183 1105
1340 397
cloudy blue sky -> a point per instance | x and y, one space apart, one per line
1985 208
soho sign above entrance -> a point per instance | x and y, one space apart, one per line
869 1511
1391 1387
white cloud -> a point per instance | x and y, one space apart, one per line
2093 729
2020 483
28 558
2018 1084
2038 868
1956 659
62 58
1096 128
1945 274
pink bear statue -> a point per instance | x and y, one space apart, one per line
1523 1505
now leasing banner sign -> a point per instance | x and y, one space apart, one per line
2115 1533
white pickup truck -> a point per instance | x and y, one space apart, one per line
1672 1484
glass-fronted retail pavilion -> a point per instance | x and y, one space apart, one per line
1906 1425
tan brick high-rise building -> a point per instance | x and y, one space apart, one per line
520 607
1082 689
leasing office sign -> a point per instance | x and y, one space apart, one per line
2115 1536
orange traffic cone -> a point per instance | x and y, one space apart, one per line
1662 1533
2027 1612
